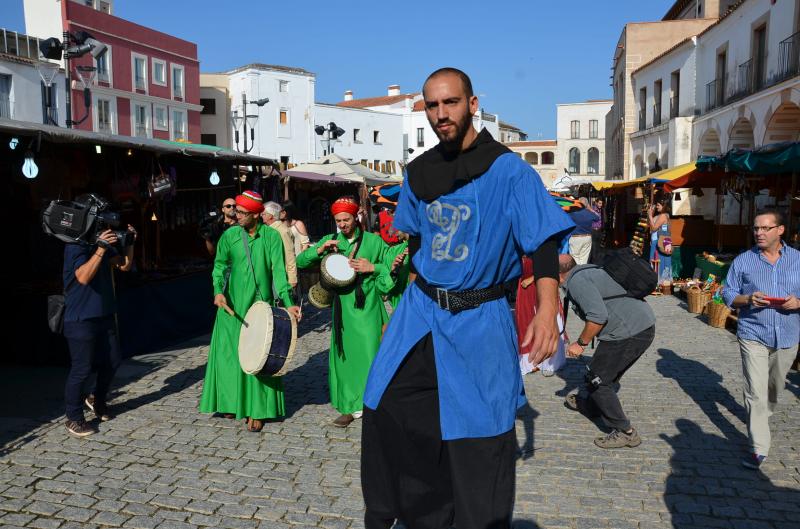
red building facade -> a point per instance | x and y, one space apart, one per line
147 84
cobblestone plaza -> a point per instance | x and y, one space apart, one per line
160 464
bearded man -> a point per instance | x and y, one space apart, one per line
438 441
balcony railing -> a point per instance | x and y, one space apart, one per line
141 131
789 58
13 43
715 91
104 126
657 114
744 81
139 83
642 119
5 107
674 107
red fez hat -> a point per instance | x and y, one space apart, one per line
344 205
251 201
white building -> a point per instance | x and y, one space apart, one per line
541 155
510 133
284 128
22 91
373 138
215 98
581 133
418 134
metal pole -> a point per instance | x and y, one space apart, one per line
244 122
67 87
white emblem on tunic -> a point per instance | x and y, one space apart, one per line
448 218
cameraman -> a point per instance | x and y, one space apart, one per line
228 219
89 324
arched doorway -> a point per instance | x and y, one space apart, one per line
548 158
784 124
652 163
574 161
741 136
532 158
593 161
638 167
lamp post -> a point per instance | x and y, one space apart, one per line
246 120
331 132
74 45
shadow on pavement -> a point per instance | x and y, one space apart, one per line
708 487
704 386
527 416
524 524
31 397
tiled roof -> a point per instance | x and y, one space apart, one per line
539 143
509 126
269 67
375 101
419 106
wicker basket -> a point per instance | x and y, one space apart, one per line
697 299
717 314
665 288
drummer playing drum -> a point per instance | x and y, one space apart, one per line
358 310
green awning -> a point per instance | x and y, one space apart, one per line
776 158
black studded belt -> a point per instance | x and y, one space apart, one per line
456 301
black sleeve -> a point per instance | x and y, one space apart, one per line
413 247
545 260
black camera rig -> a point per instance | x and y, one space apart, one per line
82 220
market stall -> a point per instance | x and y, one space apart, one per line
163 188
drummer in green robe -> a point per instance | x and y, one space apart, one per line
358 310
227 389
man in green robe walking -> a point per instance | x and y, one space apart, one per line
358 311
227 389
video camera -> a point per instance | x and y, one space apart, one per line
82 220
211 226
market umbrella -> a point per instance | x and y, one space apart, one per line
567 203
385 194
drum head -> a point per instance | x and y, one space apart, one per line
256 337
336 270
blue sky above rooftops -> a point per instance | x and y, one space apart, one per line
524 57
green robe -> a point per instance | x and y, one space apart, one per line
361 328
227 389
400 278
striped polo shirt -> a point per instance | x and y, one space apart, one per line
751 272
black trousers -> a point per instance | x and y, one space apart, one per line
410 474
92 346
610 361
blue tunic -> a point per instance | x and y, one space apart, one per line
471 238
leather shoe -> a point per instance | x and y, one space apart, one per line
343 421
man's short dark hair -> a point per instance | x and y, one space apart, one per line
465 80
771 211
565 264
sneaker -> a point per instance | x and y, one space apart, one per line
100 410
619 439
357 414
548 372
79 428
753 461
577 403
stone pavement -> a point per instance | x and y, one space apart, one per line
160 464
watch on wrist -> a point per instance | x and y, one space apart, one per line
579 342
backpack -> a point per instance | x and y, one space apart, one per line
629 270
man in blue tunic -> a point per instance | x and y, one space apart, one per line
438 445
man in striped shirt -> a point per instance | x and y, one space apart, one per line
764 284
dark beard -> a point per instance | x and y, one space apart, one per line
462 127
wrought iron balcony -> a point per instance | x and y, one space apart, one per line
789 57
5 107
715 91
642 119
657 114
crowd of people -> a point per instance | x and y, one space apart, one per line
438 385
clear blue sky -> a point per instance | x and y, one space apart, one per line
524 56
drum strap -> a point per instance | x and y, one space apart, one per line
250 262
361 299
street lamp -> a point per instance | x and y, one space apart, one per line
75 45
246 120
331 132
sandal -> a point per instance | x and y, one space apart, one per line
255 425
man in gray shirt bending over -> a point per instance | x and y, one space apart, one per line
625 327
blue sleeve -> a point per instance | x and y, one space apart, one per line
535 216
732 287
405 216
